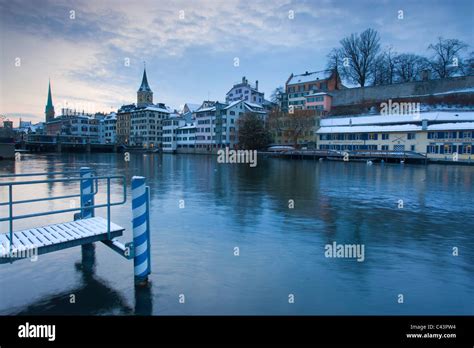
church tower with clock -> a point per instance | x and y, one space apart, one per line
144 93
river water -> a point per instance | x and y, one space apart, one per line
410 219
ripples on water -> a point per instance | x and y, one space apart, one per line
407 251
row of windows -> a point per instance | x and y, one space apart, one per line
348 147
315 99
432 148
365 147
144 133
449 148
84 129
361 136
310 87
208 130
144 127
296 102
150 115
450 135
169 139
143 120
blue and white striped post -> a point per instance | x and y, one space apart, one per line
141 231
87 200
87 193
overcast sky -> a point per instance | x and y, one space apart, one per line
192 58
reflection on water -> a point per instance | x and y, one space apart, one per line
407 250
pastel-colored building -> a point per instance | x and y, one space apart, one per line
318 101
245 91
298 87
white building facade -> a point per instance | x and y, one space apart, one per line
441 135
217 123
108 129
245 91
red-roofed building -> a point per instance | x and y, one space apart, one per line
298 87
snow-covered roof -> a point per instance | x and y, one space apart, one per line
212 108
156 108
193 107
433 116
310 77
111 116
189 126
254 110
253 105
397 128
233 104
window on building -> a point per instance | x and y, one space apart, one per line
385 136
411 136
448 148
466 149
373 136
384 148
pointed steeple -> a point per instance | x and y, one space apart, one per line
144 86
49 110
144 93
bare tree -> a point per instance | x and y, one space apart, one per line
334 59
334 64
383 68
446 59
358 53
468 66
276 95
408 67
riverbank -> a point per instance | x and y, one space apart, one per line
408 157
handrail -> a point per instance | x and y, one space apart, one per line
40 174
26 216
96 188
59 180
93 179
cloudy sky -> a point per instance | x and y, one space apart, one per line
190 46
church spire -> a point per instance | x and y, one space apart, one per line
49 110
144 86
144 93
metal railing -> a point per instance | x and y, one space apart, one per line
93 179
68 174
